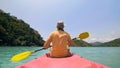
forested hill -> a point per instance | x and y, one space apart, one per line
81 43
113 43
16 32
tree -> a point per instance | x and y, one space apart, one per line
16 32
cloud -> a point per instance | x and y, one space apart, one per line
106 37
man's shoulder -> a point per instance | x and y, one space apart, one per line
66 32
56 31
53 32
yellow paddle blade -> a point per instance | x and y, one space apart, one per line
83 35
20 56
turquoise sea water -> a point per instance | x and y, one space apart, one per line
109 56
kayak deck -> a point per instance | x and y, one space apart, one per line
74 61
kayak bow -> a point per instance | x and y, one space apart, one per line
74 61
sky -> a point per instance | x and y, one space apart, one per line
101 18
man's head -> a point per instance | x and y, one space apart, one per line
60 25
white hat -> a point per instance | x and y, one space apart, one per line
60 24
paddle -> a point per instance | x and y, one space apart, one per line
24 55
83 35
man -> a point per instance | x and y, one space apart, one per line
60 42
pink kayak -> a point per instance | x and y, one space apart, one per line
74 61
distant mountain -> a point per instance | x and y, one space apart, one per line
96 43
113 43
16 32
81 43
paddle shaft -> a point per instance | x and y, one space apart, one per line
38 50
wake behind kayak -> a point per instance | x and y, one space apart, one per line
74 61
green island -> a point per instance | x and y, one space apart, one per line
16 32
